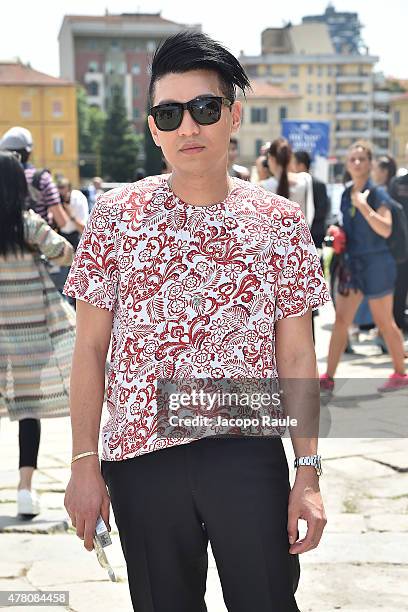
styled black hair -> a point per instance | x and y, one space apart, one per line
303 157
188 50
13 194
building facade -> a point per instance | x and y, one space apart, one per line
399 129
266 105
101 52
344 29
334 87
46 106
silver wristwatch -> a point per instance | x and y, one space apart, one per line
313 460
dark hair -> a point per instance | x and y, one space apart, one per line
303 157
188 50
234 141
13 194
362 144
281 150
24 155
388 163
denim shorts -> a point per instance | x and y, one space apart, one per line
374 274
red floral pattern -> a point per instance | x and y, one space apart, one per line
195 293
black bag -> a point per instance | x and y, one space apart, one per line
398 241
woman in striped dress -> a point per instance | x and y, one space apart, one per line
37 325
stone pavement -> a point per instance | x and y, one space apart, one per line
361 564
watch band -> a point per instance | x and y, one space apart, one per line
312 460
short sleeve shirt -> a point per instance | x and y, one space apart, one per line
361 238
195 292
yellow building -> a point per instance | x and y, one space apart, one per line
266 105
399 128
334 87
46 106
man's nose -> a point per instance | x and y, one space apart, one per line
188 126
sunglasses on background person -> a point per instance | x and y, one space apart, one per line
205 110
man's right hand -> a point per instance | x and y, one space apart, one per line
86 498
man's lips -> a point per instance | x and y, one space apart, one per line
192 147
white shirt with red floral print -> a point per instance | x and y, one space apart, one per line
195 292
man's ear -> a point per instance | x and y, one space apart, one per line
153 130
236 111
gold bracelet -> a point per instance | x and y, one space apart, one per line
88 454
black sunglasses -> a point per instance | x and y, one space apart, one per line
205 110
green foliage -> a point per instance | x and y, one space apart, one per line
91 123
120 145
153 154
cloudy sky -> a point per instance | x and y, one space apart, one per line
385 24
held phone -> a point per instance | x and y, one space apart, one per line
100 540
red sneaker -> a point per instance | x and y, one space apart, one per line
326 383
395 381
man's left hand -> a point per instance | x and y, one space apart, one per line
305 502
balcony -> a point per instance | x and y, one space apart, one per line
357 133
276 79
352 115
381 115
353 78
352 97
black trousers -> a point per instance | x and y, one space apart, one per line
400 295
29 433
231 491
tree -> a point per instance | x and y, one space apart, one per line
120 145
91 123
153 154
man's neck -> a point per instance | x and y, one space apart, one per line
201 189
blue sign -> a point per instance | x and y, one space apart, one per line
310 136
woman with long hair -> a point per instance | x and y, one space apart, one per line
384 170
36 324
370 269
295 186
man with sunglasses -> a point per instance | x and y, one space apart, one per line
196 275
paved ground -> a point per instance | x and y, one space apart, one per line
360 566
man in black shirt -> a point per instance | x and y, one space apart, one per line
321 200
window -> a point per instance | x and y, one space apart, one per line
328 89
328 107
310 69
294 88
26 108
397 117
310 107
319 108
319 89
283 112
320 71
259 115
136 90
151 46
93 66
58 146
115 44
57 108
136 69
92 88
136 113
108 68
258 145
329 70
294 70
309 88
395 148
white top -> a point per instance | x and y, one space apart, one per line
79 208
300 191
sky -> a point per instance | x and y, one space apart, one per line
384 32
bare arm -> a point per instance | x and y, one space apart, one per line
296 363
86 495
